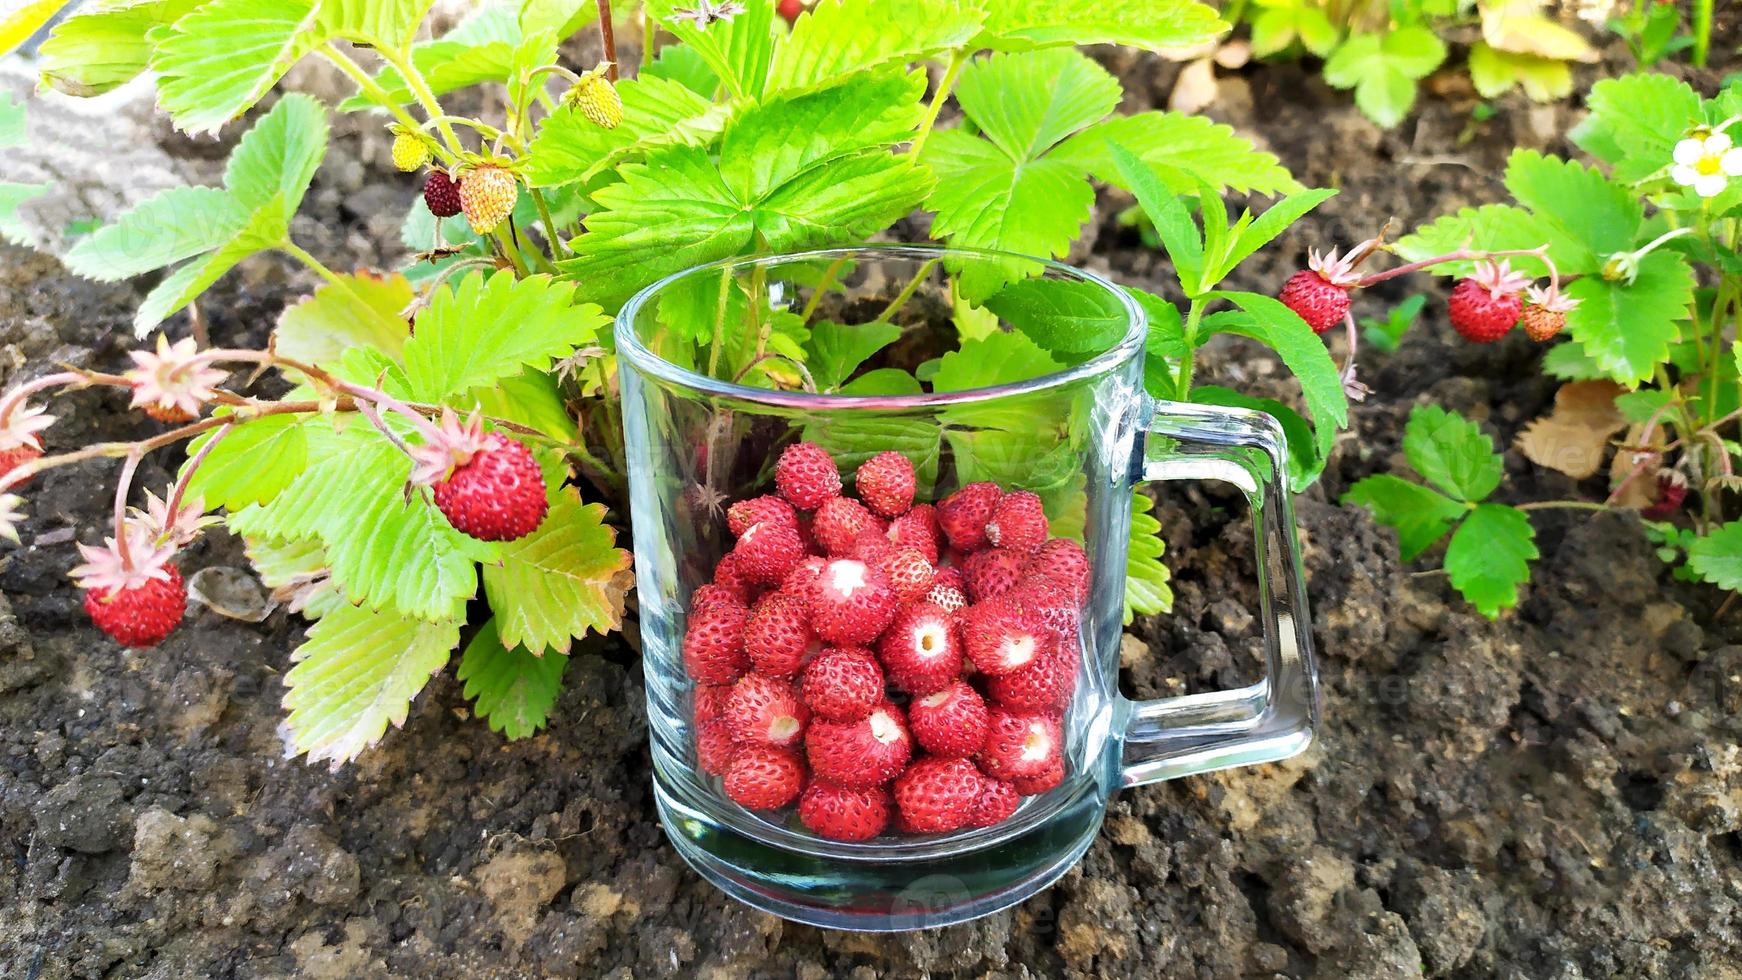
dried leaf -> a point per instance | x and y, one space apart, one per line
1195 88
1574 437
1641 491
1519 27
1234 54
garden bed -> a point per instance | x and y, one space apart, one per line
1555 794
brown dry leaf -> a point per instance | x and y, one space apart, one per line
1234 54
1519 26
1641 491
1574 437
1195 88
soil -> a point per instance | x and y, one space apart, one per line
1554 795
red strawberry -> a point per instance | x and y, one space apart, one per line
871 547
715 747
951 576
998 800
713 646
1542 324
999 638
745 514
1481 315
777 635
843 684
1061 561
1020 745
851 603
963 515
789 10
839 813
710 701
141 616
951 722
766 710
918 528
441 194
806 475
730 575
497 495
938 795
1048 606
1018 522
949 598
860 754
908 573
920 650
763 778
1672 489
1047 779
710 594
886 483
838 523
803 576
11 459
1318 301
992 572
768 551
1044 686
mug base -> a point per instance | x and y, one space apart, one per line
841 892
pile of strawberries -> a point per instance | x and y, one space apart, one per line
885 663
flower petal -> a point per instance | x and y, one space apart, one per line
1731 162
1684 175
1711 185
1689 151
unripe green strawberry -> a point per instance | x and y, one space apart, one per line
487 194
597 99
409 152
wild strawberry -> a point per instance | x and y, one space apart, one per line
767 552
763 778
1672 489
803 576
731 576
713 645
143 614
998 800
950 576
1047 779
851 603
1020 744
886 483
409 152
596 98
806 475
999 638
715 747
498 495
919 650
1048 606
908 573
860 754
441 194
1546 314
872 547
17 456
1018 523
963 515
777 635
838 523
745 514
938 795
839 813
1043 686
789 10
949 598
1319 294
992 572
709 594
952 722
918 528
766 710
843 684
1485 305
1061 561
710 701
487 195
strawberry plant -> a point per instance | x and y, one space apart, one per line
438 464
1647 241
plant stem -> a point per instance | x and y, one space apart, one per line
552 234
374 91
907 292
180 489
1461 255
1702 32
1190 331
821 289
608 38
10 401
958 58
1561 505
420 90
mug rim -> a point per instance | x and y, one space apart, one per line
630 347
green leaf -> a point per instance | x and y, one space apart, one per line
656 112
1570 362
997 359
1589 217
220 59
1065 317
1306 459
390 24
1001 358
680 63
162 229
1717 557
1421 515
252 464
278 155
1636 121
984 199
1626 329
1276 326
1278 25
1191 146
836 351
1383 70
296 571
1497 72
1452 453
511 689
103 45
1027 102
738 50
1169 215
488 328
561 580
1489 557
356 674
360 310
831 40
1154 25
1146 579
265 228
1263 230
772 145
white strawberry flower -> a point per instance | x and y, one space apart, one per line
106 569
1706 161
21 425
11 514
172 380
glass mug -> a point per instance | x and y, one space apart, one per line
704 424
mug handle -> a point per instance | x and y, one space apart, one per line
1274 718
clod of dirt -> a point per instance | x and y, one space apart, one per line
85 814
520 882
172 852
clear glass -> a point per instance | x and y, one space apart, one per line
705 422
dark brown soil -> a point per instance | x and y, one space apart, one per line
1554 795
